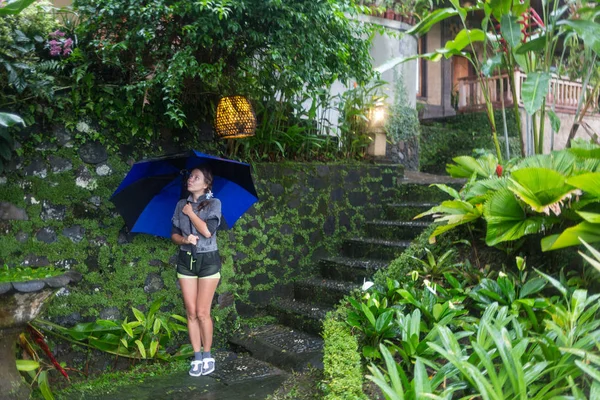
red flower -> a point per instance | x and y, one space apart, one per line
499 170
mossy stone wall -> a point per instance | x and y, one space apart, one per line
55 210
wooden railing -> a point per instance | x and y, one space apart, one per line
562 92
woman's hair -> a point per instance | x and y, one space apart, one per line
208 179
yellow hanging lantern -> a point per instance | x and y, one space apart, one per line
235 118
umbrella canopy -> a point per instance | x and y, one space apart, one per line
147 197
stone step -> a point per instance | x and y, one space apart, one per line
322 290
378 249
306 317
350 269
424 192
281 346
406 211
395 230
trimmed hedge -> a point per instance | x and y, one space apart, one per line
341 360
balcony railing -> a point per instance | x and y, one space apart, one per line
562 92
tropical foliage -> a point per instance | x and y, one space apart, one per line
173 76
512 336
553 194
513 35
145 337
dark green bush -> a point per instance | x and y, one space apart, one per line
459 135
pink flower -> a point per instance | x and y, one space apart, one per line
2 3
67 51
57 33
55 51
68 43
54 43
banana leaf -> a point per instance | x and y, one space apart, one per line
534 91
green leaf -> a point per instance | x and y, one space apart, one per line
511 30
153 348
588 30
591 371
506 219
421 380
368 314
465 38
570 236
7 120
27 365
492 64
589 182
534 91
554 121
484 167
156 327
127 328
559 286
447 189
595 262
432 19
542 189
141 348
138 315
533 45
560 161
13 7
532 286
384 320
45 386
179 318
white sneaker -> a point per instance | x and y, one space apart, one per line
208 366
196 369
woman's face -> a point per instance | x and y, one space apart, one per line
196 183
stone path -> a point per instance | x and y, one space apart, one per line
237 377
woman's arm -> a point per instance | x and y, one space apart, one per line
200 225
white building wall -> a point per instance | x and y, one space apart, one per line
566 122
385 47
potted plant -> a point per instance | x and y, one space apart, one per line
389 9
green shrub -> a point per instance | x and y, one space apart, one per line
341 360
403 121
458 136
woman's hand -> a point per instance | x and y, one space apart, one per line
188 210
192 239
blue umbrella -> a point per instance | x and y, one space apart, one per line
147 197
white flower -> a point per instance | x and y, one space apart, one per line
366 285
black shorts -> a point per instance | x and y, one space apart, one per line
204 265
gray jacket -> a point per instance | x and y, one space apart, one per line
182 223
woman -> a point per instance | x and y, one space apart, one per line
195 223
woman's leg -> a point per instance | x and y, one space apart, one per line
206 291
189 289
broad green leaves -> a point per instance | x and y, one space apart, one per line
534 91
541 188
11 7
531 197
506 219
466 166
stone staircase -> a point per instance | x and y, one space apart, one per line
294 343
